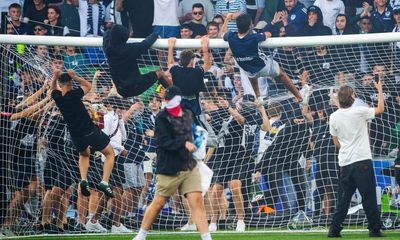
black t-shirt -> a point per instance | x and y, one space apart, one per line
22 29
189 80
36 15
198 29
322 68
74 112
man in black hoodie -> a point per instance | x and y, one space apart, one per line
122 59
315 26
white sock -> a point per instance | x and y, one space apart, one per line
142 234
90 215
104 182
206 236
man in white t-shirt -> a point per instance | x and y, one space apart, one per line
330 9
349 129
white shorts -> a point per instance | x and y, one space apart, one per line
134 176
271 69
148 165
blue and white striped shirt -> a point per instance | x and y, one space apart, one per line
230 6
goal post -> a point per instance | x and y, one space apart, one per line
298 182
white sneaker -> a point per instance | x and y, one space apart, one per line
240 226
120 229
95 227
189 227
137 238
212 227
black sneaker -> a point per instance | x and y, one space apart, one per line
106 189
375 233
85 190
334 233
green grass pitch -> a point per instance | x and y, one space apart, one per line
390 235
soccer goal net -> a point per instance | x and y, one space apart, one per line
277 175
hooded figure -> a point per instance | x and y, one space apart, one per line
122 59
315 27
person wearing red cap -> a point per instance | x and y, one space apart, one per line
176 169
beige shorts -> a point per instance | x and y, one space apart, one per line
184 181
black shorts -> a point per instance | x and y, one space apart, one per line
136 85
58 173
230 165
97 140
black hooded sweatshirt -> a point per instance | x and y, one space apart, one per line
122 56
319 28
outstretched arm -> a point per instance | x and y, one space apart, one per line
206 54
33 98
56 76
171 45
85 85
136 49
381 100
224 28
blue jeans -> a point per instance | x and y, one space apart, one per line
167 31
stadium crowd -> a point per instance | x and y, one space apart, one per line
278 145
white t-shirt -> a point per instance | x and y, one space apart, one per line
350 126
330 9
166 13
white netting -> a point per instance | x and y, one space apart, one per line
297 158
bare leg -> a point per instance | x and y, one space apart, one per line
56 196
187 210
127 202
100 207
93 201
175 202
46 210
152 211
84 163
108 163
65 204
237 196
284 78
145 190
82 206
217 191
254 84
117 204
197 208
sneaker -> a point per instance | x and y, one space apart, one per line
120 229
95 227
137 238
334 233
85 190
189 227
240 226
212 227
375 233
106 189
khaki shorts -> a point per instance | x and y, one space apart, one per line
184 181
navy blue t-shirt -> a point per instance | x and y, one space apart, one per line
245 50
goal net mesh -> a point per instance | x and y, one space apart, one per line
296 157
